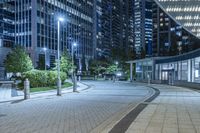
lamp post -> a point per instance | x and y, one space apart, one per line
58 61
45 52
114 77
73 74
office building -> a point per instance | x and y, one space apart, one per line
143 28
170 37
7 30
157 33
185 12
180 70
36 28
117 28
176 48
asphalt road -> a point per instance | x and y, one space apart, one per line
73 112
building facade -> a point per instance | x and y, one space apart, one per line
158 33
143 27
7 31
117 28
185 12
169 37
175 47
36 28
181 70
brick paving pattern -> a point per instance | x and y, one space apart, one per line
175 110
72 112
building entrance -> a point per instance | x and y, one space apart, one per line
168 76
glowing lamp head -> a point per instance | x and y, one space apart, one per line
75 44
44 49
61 19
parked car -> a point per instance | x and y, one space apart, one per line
121 76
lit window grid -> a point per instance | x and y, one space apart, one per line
185 12
71 31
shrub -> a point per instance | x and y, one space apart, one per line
52 77
39 78
18 61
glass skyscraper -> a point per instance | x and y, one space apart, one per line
170 37
143 27
32 24
185 12
36 27
159 32
117 28
7 30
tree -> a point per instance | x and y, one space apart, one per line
131 55
41 62
112 69
65 63
97 67
18 61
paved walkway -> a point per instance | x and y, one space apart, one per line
82 112
175 110
98 109
5 92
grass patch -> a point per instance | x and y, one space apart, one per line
38 89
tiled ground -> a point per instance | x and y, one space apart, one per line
176 110
72 112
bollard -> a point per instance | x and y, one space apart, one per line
74 83
75 80
79 78
113 78
59 85
149 82
26 89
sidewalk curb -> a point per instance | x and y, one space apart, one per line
45 96
88 86
43 92
126 121
107 125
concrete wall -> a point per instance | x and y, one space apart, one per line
187 84
152 81
176 83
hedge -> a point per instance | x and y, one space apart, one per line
39 78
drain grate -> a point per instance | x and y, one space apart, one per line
3 115
150 103
125 122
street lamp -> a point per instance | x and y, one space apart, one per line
60 19
116 63
73 74
45 51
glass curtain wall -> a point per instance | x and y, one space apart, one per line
143 69
186 70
